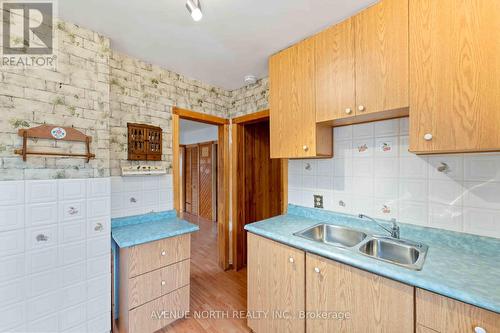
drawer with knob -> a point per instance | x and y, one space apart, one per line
149 286
153 255
443 314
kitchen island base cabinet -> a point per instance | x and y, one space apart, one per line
371 302
445 315
154 284
275 286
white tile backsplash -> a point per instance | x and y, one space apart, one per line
46 250
143 194
372 172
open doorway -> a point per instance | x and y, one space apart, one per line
259 183
204 155
198 159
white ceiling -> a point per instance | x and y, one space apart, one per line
234 38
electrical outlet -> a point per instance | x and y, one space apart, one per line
318 201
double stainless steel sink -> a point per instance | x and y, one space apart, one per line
400 252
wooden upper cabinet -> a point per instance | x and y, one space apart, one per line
381 38
455 70
375 304
445 315
292 118
275 284
335 72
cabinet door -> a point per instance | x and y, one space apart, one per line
454 66
374 303
335 72
292 107
381 34
275 286
446 315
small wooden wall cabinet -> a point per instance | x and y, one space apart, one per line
282 279
154 278
144 142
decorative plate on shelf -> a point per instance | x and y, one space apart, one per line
58 133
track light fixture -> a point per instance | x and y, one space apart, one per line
194 9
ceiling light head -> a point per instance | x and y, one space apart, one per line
194 9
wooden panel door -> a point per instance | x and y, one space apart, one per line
382 57
194 180
206 180
446 315
375 304
335 72
292 102
188 189
455 70
275 284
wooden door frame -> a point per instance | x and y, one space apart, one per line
222 174
237 130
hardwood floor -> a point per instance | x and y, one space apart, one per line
213 291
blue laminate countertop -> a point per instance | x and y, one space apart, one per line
461 266
135 230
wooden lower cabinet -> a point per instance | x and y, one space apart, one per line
154 284
275 286
371 302
445 315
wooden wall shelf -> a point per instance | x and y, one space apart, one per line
52 132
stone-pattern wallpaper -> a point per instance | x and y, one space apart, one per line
77 94
98 91
145 93
249 99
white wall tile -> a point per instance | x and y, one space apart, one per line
41 214
98 207
411 186
447 167
150 183
98 266
484 222
40 191
73 274
97 306
42 260
11 217
362 167
75 294
482 167
446 217
98 187
11 242
41 237
363 147
413 212
72 253
11 193
43 305
46 324
342 133
482 194
12 316
72 210
42 283
99 324
342 167
13 291
72 189
72 232
73 316
387 167
98 227
445 192
387 146
366 130
165 181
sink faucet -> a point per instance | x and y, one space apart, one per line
394 231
